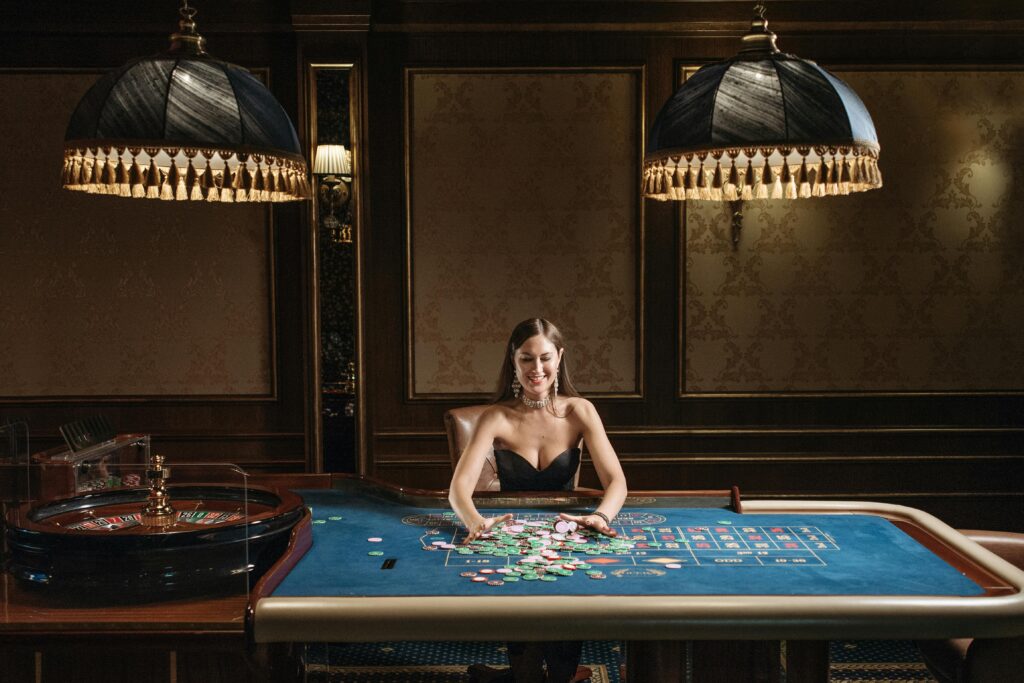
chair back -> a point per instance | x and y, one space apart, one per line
460 424
1008 545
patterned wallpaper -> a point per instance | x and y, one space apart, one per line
101 296
524 199
918 286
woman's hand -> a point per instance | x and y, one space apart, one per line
483 526
594 522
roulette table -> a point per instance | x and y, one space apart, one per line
388 564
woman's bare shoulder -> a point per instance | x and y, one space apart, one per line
496 414
579 408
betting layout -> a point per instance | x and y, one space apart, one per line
534 547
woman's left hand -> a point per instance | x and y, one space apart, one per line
591 522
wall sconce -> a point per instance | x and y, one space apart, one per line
333 167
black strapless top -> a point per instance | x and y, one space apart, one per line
516 473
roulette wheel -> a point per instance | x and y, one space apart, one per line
150 542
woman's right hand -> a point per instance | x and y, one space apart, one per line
483 526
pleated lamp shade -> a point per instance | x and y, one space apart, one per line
183 125
331 160
763 124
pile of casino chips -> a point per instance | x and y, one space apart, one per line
543 549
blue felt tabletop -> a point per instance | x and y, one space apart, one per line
719 552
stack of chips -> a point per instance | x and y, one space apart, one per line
543 550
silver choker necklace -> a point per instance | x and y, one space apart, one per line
530 403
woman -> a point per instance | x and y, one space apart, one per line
535 424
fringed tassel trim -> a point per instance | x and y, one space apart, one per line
119 172
835 171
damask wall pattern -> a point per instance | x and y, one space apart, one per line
523 202
102 296
918 286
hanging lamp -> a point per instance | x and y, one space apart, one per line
764 124
182 125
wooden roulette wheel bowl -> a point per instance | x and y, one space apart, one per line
101 546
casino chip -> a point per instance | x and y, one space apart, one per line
563 526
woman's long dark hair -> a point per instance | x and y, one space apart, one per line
523 331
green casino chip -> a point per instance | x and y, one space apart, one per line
375 553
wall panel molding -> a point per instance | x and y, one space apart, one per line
519 202
911 290
111 299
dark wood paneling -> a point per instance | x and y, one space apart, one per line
265 434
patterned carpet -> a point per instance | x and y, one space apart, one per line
865 661
430 662
877 661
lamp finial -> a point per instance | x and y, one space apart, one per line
759 39
187 40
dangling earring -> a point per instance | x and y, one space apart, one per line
516 386
556 382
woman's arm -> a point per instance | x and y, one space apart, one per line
609 471
467 472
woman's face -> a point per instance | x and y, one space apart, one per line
537 364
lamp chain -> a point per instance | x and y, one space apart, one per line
186 11
759 10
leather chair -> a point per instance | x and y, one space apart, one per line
460 423
980 660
